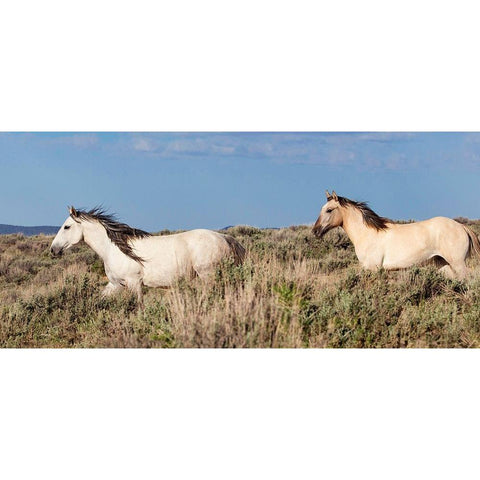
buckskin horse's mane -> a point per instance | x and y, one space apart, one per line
370 218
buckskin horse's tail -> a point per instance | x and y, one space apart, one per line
474 242
236 248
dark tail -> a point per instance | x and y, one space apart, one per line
474 243
237 249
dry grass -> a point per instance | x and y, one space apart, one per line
292 291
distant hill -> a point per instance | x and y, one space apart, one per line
29 231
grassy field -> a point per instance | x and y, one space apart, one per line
292 291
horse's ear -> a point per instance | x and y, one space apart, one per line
328 195
334 196
73 212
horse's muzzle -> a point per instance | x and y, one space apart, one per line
320 231
56 251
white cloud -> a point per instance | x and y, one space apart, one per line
361 150
223 149
143 144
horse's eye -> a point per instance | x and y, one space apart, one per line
66 227
330 210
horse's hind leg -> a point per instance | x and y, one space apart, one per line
454 269
447 271
442 265
137 289
460 269
456 258
450 268
204 273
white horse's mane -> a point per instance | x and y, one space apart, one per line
119 233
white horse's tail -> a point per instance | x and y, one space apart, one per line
237 249
474 242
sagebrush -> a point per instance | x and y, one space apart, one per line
292 291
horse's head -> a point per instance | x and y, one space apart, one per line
70 233
330 216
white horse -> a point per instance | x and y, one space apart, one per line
380 243
133 257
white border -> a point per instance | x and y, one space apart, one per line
239 414
261 65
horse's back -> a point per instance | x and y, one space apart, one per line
433 226
446 231
183 243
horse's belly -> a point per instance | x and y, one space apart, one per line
159 278
163 275
405 259
393 258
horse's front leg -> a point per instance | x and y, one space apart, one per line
110 289
137 289
135 286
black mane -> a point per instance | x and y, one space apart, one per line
370 218
119 233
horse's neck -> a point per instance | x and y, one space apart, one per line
95 236
355 227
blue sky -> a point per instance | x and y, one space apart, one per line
191 180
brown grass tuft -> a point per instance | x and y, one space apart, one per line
292 291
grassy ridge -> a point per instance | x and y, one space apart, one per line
292 291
